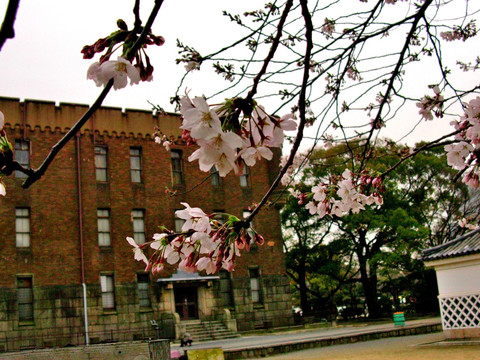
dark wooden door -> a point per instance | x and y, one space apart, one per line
186 302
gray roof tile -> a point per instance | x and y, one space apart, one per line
464 245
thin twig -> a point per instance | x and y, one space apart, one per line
272 51
302 109
420 15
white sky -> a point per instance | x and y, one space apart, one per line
44 62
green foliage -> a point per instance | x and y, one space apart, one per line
379 247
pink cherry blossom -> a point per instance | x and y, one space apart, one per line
139 255
457 153
195 219
120 70
200 120
251 154
219 151
206 263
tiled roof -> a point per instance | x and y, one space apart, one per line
464 245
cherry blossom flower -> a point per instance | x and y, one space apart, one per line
457 153
251 154
195 218
429 104
139 255
206 263
192 65
3 189
200 120
219 151
120 70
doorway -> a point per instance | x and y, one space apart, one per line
186 302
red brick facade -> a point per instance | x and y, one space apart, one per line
53 259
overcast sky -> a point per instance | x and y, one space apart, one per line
44 62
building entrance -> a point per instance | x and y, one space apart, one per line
186 302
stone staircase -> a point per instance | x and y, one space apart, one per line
208 330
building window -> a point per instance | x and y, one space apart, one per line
22 227
143 281
136 164
101 163
226 287
103 222
108 292
215 176
177 169
138 217
255 287
178 224
25 298
245 176
22 156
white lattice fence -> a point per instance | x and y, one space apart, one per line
460 312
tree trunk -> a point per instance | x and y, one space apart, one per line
369 284
302 284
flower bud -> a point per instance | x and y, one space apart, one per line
122 25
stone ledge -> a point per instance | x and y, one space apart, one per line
263 351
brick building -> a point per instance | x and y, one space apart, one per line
63 239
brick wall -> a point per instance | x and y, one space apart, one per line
53 259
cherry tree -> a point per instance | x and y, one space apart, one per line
326 71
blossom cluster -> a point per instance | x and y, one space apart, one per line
205 244
464 153
430 104
231 135
328 27
345 196
122 69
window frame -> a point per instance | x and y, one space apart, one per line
29 303
244 178
107 290
136 169
19 144
143 290
106 234
138 217
178 223
101 152
255 285
216 179
176 164
22 236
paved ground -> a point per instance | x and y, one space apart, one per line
423 347
253 341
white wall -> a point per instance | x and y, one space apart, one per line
456 279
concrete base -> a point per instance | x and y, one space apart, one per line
469 333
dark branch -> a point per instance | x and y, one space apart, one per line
38 173
7 31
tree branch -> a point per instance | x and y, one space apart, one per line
302 109
38 173
7 31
